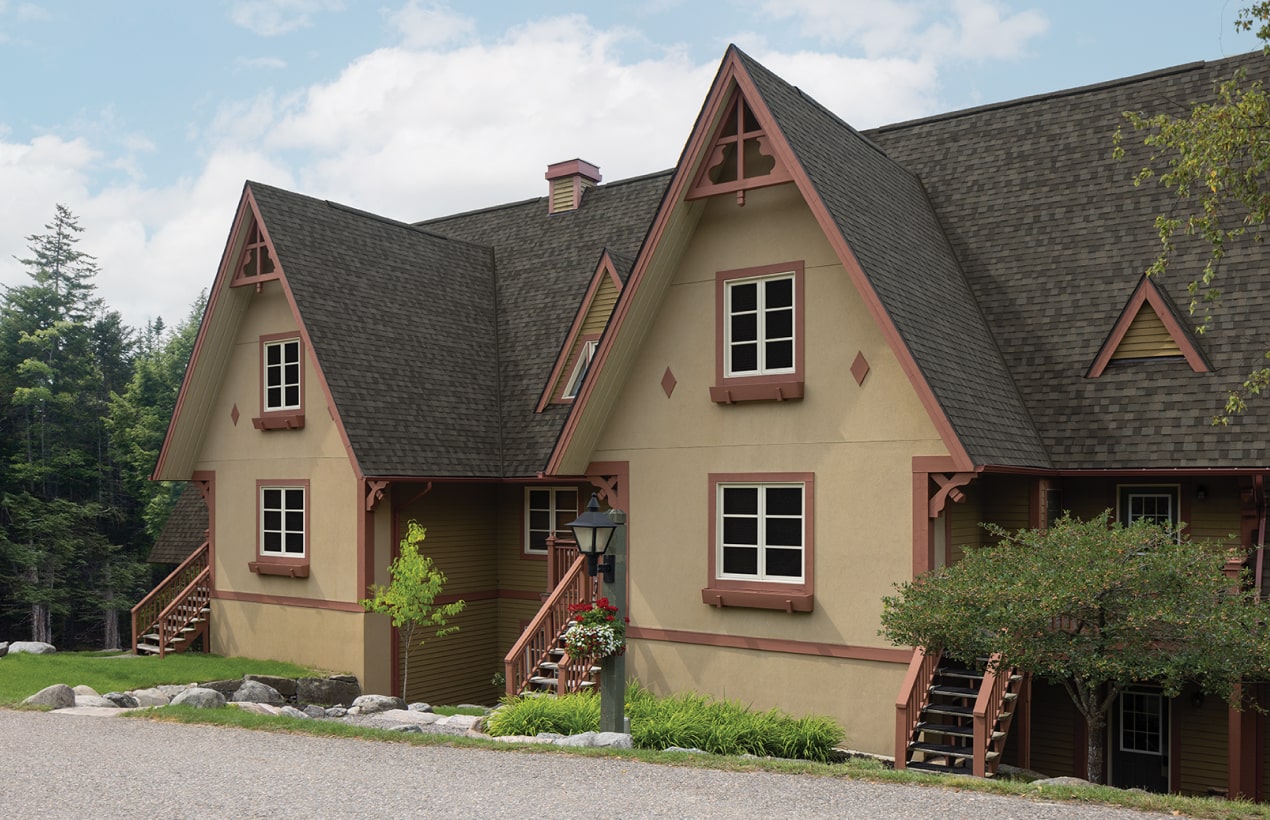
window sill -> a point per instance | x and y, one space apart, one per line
756 390
758 599
279 421
289 567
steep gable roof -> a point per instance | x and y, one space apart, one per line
544 264
185 529
883 214
1051 234
401 321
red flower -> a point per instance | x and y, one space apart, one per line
609 618
578 618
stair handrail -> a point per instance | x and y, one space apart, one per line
184 608
541 633
988 708
913 698
147 612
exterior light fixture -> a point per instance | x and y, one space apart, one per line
593 530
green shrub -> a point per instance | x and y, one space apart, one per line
689 720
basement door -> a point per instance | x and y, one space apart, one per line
1140 741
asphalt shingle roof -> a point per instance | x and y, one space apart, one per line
884 215
185 529
436 339
1053 237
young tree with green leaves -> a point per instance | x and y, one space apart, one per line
1093 607
409 598
1216 159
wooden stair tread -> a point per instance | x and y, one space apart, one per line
954 691
949 709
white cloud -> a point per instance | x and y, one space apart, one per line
917 29
260 62
269 18
430 24
440 122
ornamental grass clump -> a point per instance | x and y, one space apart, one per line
596 631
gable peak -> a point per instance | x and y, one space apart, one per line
1148 328
739 155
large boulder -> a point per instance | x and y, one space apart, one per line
94 700
57 696
199 698
327 691
31 648
253 691
284 686
149 697
256 708
86 690
373 704
225 687
4 648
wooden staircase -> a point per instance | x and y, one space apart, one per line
953 719
538 661
175 613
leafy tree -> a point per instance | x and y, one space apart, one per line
408 598
1094 608
141 410
1216 158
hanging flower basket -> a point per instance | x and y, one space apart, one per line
596 632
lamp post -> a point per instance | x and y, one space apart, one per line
598 533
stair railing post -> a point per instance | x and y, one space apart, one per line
613 668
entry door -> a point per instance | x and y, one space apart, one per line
1140 741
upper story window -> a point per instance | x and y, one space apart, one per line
759 334
282 375
585 355
548 510
281 382
761 541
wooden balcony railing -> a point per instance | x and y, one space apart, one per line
913 698
176 603
540 637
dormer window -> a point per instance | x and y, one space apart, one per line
580 369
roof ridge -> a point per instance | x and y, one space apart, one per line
1054 95
604 186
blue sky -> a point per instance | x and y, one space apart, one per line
144 117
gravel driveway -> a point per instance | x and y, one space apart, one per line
85 767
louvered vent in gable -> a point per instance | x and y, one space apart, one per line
1148 328
256 264
740 156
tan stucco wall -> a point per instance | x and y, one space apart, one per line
799 684
858 441
328 640
239 454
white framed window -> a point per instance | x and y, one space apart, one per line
759 325
1157 504
580 369
761 531
283 522
282 379
548 510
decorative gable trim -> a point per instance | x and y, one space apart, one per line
227 304
258 262
677 214
740 156
588 324
1137 333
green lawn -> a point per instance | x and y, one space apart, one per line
23 675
